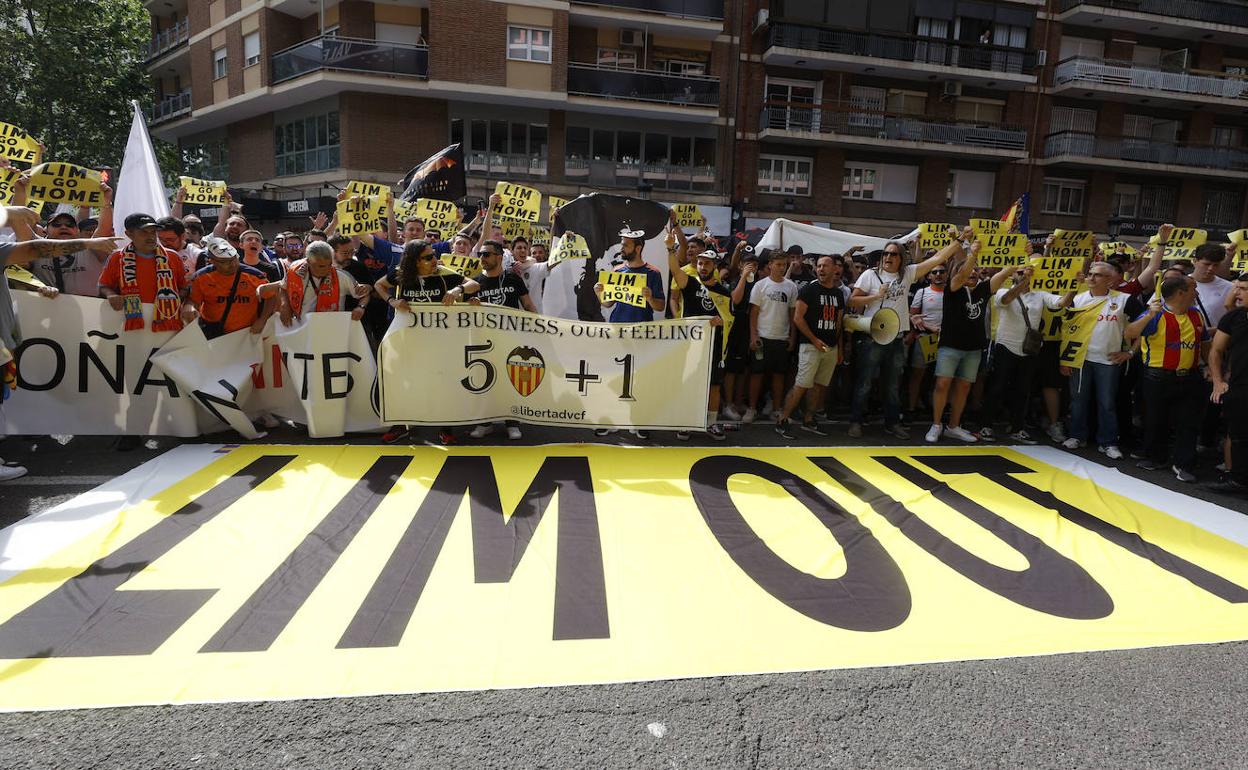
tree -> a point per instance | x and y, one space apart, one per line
70 69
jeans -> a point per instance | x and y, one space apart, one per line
888 360
1009 387
1099 382
1173 405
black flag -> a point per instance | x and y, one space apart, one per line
440 176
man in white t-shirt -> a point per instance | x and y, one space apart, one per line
887 286
1013 368
1211 290
772 334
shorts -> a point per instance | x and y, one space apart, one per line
771 358
962 364
815 368
1048 369
737 350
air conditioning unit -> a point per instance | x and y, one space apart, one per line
761 19
634 38
953 89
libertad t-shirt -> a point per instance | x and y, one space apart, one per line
775 301
824 308
430 288
504 289
962 327
696 298
897 292
1235 323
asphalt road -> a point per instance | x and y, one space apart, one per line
1166 707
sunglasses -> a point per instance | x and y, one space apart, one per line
892 253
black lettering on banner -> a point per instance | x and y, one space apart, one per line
266 613
1130 541
303 387
872 595
580 582
329 375
115 381
88 616
146 379
1051 583
208 400
58 371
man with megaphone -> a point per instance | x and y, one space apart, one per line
882 295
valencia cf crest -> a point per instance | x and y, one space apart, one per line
525 369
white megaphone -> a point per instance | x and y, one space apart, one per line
882 325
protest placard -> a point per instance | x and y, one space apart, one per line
514 228
442 216
1056 274
1182 242
1077 329
1110 248
539 236
1079 244
17 144
465 266
688 216
555 202
987 226
1002 249
1239 257
360 216
8 178
623 287
202 191
66 183
571 246
928 343
934 235
366 189
402 210
518 202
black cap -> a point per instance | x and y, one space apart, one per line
795 250
139 221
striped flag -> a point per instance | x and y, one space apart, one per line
1016 218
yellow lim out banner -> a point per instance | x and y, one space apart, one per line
688 216
202 190
934 235
465 266
571 246
1002 249
987 226
359 216
623 287
366 189
1239 254
65 183
442 216
1110 248
1182 242
518 202
17 144
8 180
279 572
1056 274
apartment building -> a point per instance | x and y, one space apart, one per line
866 115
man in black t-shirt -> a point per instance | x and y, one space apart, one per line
963 337
499 287
344 260
1229 351
737 342
821 338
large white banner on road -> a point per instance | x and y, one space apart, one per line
461 365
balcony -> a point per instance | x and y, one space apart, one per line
631 172
1126 81
1218 21
688 9
695 92
701 19
902 133
351 55
171 107
505 166
905 56
1077 148
168 39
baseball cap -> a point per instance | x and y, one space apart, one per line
139 221
73 221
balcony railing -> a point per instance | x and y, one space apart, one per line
168 39
1145 151
907 48
352 55
689 9
642 85
631 172
496 164
816 121
1120 74
171 106
1231 14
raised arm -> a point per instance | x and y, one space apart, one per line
958 280
945 254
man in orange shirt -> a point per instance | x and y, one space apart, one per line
146 273
225 292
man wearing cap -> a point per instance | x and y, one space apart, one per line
737 341
77 273
144 272
225 293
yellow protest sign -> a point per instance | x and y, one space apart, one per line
1239 257
465 266
1056 274
66 183
514 228
23 276
934 235
1077 329
8 180
688 216
540 236
202 191
17 144
442 216
986 226
928 344
518 202
555 202
366 189
1110 248
1001 249
571 246
360 216
1051 323
402 210
1182 243
1080 244
622 287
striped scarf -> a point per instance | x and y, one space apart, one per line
167 302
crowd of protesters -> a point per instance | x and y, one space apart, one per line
1165 379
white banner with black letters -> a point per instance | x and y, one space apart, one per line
462 365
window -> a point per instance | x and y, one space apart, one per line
858 182
219 64
880 182
784 175
1222 208
251 49
501 137
398 33
1009 36
615 58
1064 196
1072 119
1081 47
1151 203
680 66
980 110
207 160
528 44
306 145
971 189
1227 136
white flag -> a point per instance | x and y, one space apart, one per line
140 187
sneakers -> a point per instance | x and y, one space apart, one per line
1021 437
1149 465
716 432
482 430
1138 454
10 471
730 413
682 435
776 416
897 430
446 437
1110 451
396 433
513 433
986 434
855 430
1226 485
961 434
641 434
604 432
934 433
784 429
1073 443
813 427
1056 434
750 415
1187 477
